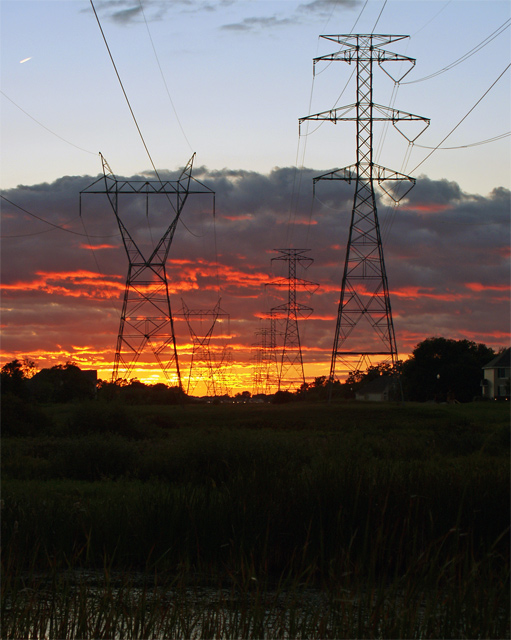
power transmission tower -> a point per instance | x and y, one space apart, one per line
364 289
266 373
291 366
146 317
202 363
222 376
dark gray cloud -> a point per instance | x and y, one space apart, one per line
125 12
254 24
326 7
321 8
447 257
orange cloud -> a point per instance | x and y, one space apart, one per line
98 246
87 284
426 292
478 286
73 284
425 207
299 221
238 217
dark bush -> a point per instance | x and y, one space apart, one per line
98 417
94 457
22 418
283 397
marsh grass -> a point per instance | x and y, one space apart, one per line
316 522
67 605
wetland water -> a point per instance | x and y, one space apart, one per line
91 605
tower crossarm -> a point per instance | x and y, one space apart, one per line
294 308
366 49
310 287
354 40
178 189
377 113
364 54
375 172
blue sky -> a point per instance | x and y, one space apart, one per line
240 75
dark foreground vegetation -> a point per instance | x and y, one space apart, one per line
304 520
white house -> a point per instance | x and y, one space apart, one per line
377 390
497 374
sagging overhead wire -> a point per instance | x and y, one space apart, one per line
467 55
466 146
389 224
47 128
433 18
163 77
359 16
56 226
379 16
462 119
123 90
133 114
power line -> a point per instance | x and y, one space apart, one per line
124 91
433 18
466 146
379 16
26 235
464 118
45 127
467 55
132 112
76 233
163 78
359 16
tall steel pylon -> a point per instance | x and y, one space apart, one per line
291 372
202 363
364 289
266 372
146 316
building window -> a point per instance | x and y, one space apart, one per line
501 373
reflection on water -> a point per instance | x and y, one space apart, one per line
135 606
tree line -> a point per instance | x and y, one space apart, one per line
439 370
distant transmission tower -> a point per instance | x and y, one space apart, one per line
146 317
364 289
203 366
291 373
266 373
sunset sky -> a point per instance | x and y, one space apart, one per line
229 81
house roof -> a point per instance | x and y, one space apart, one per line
502 360
378 385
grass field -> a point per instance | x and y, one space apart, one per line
398 515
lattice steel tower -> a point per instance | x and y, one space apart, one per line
203 365
364 289
291 366
146 316
266 374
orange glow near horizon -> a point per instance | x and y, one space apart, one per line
426 207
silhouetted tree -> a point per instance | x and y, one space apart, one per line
14 376
443 369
